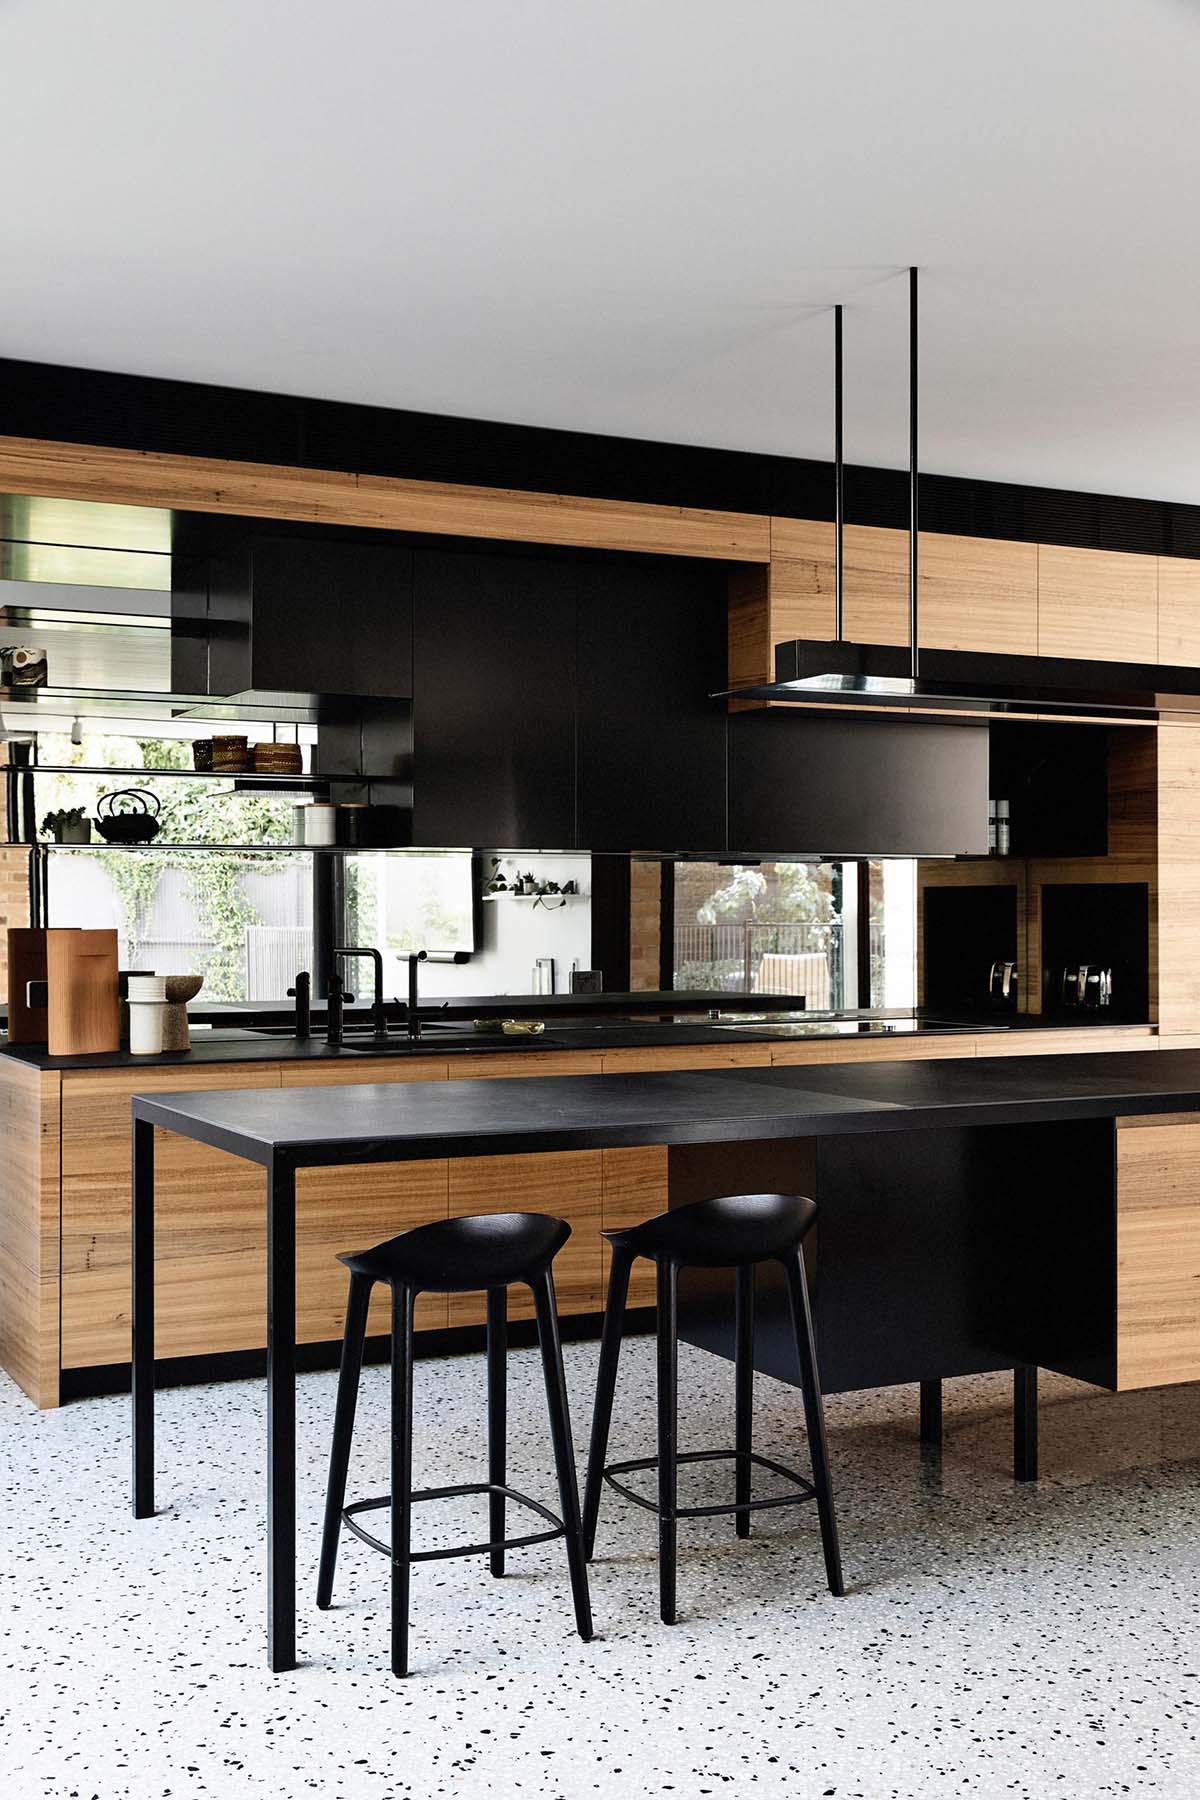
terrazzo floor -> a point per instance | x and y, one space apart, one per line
995 1640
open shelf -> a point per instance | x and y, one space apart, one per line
303 780
240 849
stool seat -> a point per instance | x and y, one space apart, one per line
726 1233
453 1256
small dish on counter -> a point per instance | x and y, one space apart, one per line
512 1027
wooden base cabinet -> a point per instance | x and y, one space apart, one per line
1158 1250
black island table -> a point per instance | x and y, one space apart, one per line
951 1194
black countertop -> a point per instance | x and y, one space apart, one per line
236 1044
464 1118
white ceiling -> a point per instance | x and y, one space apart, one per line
626 216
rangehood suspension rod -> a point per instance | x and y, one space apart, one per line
914 652
839 510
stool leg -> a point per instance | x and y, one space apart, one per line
743 1378
668 1383
349 1371
606 1387
401 1471
497 1398
814 1415
931 1415
542 1287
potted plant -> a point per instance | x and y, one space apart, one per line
69 825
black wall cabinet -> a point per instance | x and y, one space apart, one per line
652 648
809 786
301 615
294 615
494 706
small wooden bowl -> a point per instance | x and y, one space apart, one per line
183 987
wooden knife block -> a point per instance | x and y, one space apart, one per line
85 1007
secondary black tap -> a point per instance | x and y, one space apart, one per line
378 1010
415 957
302 995
335 1007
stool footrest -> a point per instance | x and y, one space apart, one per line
454 1493
804 1490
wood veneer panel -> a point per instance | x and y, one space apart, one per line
567 1183
1158 1255
978 594
636 1187
882 1049
364 1072
210 1222
1178 908
1179 610
687 1056
1101 604
485 1067
338 497
353 1208
1074 1041
29 1229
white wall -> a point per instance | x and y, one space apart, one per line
515 933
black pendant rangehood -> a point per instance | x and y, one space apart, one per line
822 673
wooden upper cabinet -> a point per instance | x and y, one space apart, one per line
1099 604
1179 610
979 594
975 593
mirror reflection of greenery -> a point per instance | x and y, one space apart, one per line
193 812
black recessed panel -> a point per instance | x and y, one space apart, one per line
814 786
494 700
966 931
652 637
1107 926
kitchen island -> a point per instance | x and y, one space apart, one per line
65 1200
1039 1211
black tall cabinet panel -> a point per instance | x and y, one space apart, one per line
805 785
652 648
308 615
494 699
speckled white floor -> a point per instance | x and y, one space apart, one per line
995 1641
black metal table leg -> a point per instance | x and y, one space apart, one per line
1025 1422
743 1381
281 1415
497 1400
403 1301
931 1415
143 1319
668 1442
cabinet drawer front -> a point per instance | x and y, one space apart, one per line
1158 1255
635 1188
210 1222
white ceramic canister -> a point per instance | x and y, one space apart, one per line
146 1021
320 823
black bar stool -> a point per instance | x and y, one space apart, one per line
735 1232
491 1251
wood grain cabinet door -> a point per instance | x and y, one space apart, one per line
210 1285
1099 604
975 593
1158 1251
566 1183
1179 610
978 594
